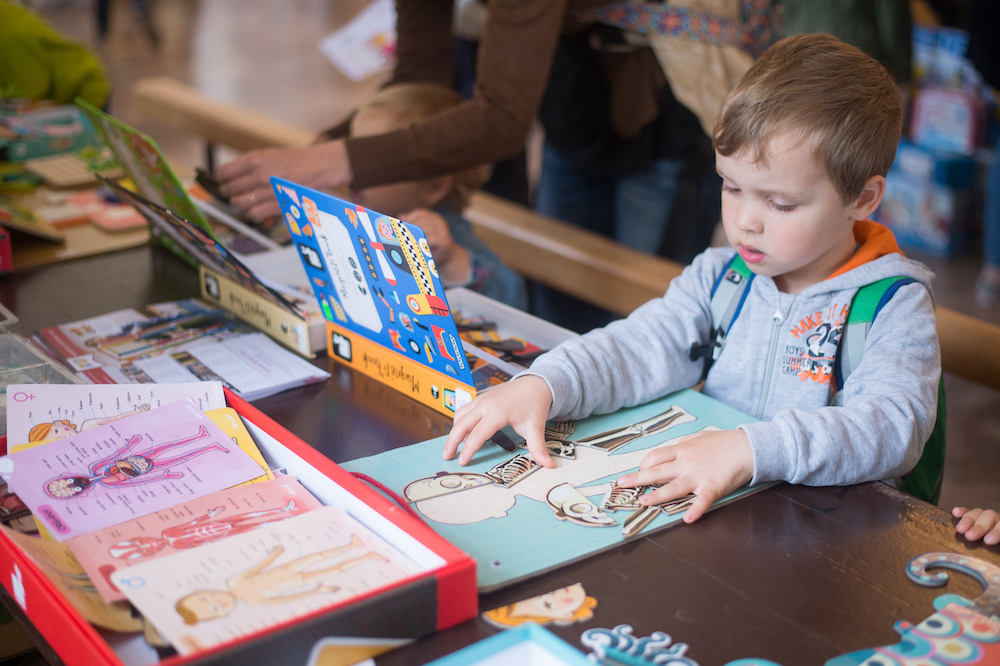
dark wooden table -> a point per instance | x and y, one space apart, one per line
793 574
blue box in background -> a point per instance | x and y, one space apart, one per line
43 132
927 199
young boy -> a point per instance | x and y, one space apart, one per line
802 144
435 205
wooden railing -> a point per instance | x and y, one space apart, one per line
583 264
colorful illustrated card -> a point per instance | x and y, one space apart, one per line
126 469
225 590
374 275
42 412
205 520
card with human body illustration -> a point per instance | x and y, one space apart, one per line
277 572
42 412
126 469
187 525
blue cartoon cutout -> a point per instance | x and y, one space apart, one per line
374 275
959 632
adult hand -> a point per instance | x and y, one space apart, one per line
247 180
710 464
978 524
523 403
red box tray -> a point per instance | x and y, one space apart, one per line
416 607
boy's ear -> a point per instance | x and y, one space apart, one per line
869 199
435 190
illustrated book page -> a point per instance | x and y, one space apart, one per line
518 519
188 525
126 469
39 412
225 590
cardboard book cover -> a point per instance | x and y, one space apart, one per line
379 290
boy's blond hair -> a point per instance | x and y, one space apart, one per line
828 92
408 103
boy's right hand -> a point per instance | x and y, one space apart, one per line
978 524
523 403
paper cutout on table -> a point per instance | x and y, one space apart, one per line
512 531
225 590
61 567
450 498
187 525
613 647
563 607
958 632
126 469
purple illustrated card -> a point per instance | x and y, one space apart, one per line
126 469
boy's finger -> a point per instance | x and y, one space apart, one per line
463 424
673 490
482 431
992 537
698 508
535 441
658 456
985 522
967 521
959 511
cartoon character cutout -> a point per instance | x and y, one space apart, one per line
563 607
263 584
127 467
49 430
958 632
461 498
203 529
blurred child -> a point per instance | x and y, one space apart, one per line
436 204
802 145
978 524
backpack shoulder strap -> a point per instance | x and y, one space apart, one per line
924 480
867 303
728 294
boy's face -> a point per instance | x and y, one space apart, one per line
786 219
393 199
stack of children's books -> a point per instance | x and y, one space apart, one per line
158 500
176 342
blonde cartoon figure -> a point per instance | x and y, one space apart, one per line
50 430
563 607
263 584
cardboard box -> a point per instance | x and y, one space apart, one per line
441 597
924 215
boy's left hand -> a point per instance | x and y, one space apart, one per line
709 464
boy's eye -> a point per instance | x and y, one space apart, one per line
784 208
730 188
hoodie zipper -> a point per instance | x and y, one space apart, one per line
776 320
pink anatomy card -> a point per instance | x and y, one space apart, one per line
187 525
225 590
126 469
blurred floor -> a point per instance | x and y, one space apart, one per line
262 54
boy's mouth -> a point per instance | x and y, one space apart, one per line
750 255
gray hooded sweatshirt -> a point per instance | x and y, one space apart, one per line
776 366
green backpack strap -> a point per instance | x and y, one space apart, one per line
924 480
728 295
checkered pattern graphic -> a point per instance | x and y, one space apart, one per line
414 258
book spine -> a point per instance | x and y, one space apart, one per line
282 326
437 390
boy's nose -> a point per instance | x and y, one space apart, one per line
747 218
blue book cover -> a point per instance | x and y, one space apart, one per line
374 275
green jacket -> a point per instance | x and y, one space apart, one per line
36 62
880 28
